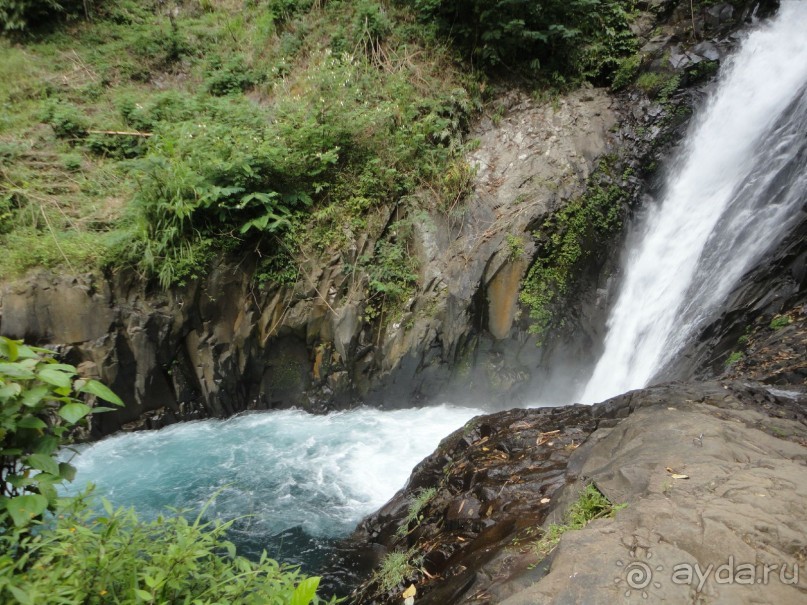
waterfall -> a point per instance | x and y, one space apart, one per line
737 188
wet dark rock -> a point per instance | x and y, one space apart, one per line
739 444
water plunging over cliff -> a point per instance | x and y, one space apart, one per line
737 188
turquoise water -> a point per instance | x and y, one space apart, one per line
298 482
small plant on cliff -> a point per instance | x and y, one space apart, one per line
515 246
396 567
416 507
780 322
734 358
591 504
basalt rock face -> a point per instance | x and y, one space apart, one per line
707 471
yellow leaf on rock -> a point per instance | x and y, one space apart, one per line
410 592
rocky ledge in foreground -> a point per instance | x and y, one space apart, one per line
712 474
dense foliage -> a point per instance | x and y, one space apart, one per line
59 550
19 14
565 39
37 411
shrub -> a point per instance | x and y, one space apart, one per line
67 121
577 38
19 14
87 557
38 409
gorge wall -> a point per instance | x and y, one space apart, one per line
223 344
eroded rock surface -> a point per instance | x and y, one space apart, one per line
742 449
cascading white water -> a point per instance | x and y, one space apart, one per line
738 186
295 481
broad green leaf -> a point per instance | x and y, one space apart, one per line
19 481
33 396
16 370
63 367
22 596
56 377
42 462
47 444
31 422
101 390
25 508
26 352
9 391
47 490
67 471
12 350
73 412
146 596
305 592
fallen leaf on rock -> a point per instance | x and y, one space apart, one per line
679 476
545 500
410 592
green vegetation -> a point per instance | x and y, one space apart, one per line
780 322
39 411
515 246
566 240
59 550
659 85
734 358
559 40
163 135
396 567
416 507
590 505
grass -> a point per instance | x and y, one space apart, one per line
366 108
591 504
416 507
396 567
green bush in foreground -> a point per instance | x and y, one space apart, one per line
60 550
116 558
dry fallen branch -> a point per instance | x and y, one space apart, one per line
128 133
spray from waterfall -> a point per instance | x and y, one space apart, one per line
738 187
